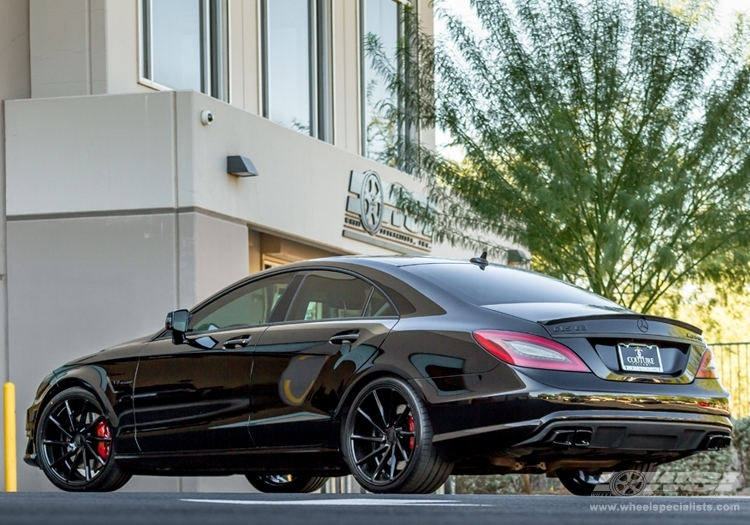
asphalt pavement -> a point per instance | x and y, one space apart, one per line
328 509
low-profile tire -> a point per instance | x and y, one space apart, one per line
630 480
387 441
285 483
74 444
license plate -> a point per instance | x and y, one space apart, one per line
639 358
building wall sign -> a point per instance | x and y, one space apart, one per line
371 202
373 216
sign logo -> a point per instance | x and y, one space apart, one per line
642 325
371 202
374 215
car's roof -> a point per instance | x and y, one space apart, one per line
391 260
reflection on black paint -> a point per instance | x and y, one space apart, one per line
359 356
432 365
299 377
443 372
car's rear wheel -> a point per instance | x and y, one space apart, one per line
387 440
74 444
285 483
629 481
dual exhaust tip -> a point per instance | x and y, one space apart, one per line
569 438
582 438
718 441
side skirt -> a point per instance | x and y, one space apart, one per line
327 462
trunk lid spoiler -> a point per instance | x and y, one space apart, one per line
561 319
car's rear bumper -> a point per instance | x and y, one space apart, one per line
610 429
585 440
603 431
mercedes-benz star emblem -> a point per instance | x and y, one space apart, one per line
642 325
371 202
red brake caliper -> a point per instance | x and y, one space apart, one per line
410 421
103 448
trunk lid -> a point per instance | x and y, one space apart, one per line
611 340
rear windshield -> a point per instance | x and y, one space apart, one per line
503 285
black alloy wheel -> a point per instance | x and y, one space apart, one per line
74 444
630 480
387 441
285 483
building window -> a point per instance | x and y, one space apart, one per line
184 45
296 48
381 28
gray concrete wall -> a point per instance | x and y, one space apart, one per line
221 253
15 82
150 151
84 47
302 188
81 284
68 46
91 153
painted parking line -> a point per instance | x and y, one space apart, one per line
345 502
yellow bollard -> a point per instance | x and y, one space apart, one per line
9 396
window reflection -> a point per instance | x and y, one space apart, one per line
176 43
249 305
329 295
380 130
287 63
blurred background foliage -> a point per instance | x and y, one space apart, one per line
608 137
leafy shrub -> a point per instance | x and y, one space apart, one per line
741 446
697 475
735 459
508 484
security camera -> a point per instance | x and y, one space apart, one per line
206 117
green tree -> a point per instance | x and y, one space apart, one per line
610 137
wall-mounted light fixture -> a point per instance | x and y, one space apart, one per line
241 166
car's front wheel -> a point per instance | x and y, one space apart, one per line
285 483
629 481
387 440
74 444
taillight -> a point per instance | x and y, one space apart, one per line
529 351
707 369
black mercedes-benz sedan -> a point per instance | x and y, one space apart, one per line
398 370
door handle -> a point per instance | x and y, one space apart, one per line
344 337
239 342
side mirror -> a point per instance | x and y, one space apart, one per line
177 321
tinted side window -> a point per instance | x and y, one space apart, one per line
329 295
249 305
379 306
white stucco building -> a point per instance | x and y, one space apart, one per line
118 204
